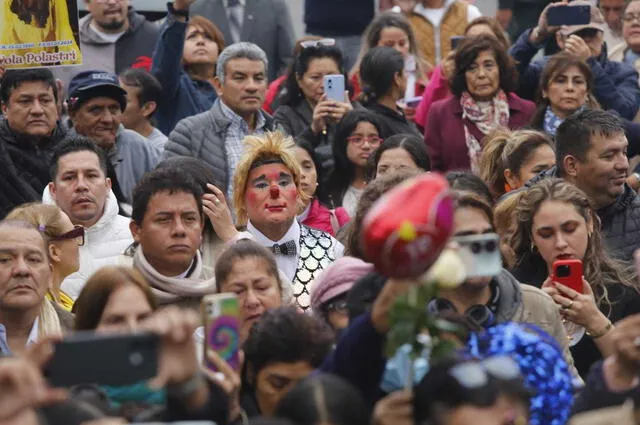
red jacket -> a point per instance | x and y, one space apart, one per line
319 217
444 133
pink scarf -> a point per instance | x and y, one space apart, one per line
486 116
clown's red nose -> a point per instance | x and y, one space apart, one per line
274 191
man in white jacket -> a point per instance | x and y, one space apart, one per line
82 190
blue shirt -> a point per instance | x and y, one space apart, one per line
4 344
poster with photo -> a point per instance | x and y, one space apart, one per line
36 33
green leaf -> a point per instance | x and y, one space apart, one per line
442 349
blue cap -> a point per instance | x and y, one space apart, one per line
89 84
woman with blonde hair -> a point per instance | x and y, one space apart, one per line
63 242
555 221
509 159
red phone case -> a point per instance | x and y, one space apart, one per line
574 280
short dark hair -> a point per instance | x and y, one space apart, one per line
72 144
412 144
324 398
244 248
467 182
283 335
573 136
150 87
13 78
377 71
163 180
469 51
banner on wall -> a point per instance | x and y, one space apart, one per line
37 33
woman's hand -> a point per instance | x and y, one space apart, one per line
543 30
215 207
177 362
329 110
227 379
394 409
580 309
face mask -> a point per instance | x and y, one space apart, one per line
397 370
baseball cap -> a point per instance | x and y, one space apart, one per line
597 20
91 84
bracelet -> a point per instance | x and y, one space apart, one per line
187 388
603 333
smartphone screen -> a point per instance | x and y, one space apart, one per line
456 40
221 316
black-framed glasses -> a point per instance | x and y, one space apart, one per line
337 305
316 43
77 234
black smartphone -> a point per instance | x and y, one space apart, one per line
569 15
455 41
115 359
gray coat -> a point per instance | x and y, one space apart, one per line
203 137
266 23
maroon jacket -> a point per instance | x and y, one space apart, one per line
444 133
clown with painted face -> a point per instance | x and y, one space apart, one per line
267 198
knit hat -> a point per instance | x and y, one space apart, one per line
337 279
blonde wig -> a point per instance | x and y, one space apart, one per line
272 146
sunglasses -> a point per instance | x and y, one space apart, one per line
316 43
77 233
337 306
476 375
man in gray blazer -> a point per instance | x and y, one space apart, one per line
266 23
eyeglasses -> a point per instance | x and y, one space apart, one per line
316 43
630 17
77 233
359 140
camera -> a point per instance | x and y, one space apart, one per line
563 271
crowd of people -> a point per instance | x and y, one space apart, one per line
200 154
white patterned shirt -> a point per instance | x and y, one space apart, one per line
236 132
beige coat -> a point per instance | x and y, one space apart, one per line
617 415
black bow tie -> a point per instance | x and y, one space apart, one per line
287 248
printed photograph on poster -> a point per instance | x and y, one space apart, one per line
36 33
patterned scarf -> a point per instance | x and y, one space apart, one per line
486 116
552 121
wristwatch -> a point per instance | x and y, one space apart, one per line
183 13
187 388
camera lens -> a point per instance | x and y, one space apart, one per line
476 247
490 246
563 271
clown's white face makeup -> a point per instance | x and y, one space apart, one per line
271 198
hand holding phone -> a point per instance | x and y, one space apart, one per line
221 317
569 274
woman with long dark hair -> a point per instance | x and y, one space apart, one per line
357 137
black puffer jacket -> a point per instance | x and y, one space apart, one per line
620 221
24 166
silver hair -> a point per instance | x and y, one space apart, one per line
242 50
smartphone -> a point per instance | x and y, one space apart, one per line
221 318
480 254
455 41
334 87
115 359
569 274
413 102
569 15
